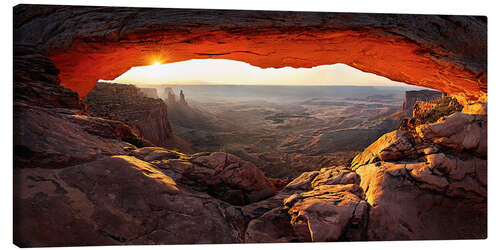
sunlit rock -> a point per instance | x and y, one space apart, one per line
416 49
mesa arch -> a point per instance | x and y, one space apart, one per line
447 53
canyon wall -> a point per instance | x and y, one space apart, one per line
411 97
443 52
127 103
51 126
149 92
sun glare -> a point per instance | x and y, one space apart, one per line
156 63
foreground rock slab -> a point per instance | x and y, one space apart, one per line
222 175
116 200
308 209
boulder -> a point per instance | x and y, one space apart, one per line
421 201
459 132
428 182
324 205
222 175
477 108
391 146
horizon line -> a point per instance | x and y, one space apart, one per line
262 85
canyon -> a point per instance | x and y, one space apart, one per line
283 130
104 164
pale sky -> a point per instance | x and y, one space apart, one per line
222 71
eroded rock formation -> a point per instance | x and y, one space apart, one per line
420 108
182 99
414 96
222 175
447 53
51 127
325 205
425 183
147 116
437 169
149 92
114 201
169 96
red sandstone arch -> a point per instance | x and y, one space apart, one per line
90 43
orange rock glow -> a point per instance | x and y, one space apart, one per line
447 53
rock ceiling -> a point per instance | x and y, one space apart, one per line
447 53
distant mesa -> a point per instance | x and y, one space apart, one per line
149 92
414 96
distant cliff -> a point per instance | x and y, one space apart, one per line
411 97
171 99
148 116
149 92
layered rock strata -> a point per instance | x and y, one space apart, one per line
149 92
51 127
414 96
147 116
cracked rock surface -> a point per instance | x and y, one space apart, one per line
431 180
117 200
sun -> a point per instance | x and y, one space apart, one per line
156 63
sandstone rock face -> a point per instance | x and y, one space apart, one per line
51 128
460 132
146 115
149 92
222 175
48 139
391 146
415 201
477 108
442 52
430 180
412 97
325 205
422 107
113 201
36 81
